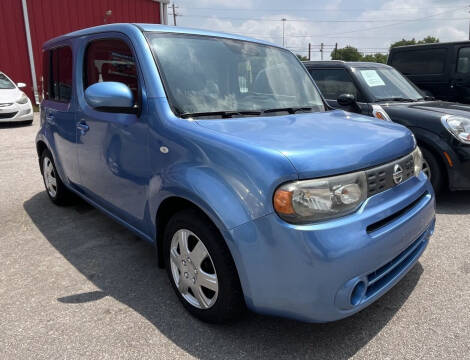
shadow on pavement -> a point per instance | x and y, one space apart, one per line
456 202
124 267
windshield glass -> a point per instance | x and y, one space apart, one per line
210 74
387 84
5 83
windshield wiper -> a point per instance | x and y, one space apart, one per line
397 99
223 113
290 110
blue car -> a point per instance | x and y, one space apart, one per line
219 150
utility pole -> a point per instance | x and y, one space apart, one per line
283 23
336 49
174 13
309 51
321 51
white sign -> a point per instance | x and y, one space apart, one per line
372 78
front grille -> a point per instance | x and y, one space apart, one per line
381 277
5 104
7 115
380 178
389 219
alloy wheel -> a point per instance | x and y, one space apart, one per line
426 169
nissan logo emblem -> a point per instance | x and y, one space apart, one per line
397 174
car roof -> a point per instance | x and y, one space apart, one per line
344 64
128 28
442 44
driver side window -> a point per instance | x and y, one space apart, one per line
334 82
111 60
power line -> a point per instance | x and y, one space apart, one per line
316 21
320 9
387 25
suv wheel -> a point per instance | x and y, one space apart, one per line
55 188
201 269
432 169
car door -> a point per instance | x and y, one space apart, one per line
112 146
334 82
461 74
58 110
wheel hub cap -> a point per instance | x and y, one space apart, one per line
193 270
49 177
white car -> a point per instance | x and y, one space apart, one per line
15 106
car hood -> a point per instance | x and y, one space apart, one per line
437 108
321 144
9 95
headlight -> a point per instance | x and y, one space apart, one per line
22 100
458 126
320 199
417 160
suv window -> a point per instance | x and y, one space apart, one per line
57 74
420 62
334 82
111 60
463 60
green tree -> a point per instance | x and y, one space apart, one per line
404 42
301 57
348 53
377 57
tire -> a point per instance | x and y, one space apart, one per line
55 188
207 261
433 170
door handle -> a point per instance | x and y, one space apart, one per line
83 127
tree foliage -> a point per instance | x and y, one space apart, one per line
350 53
426 40
301 57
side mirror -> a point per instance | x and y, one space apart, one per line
348 100
110 96
21 85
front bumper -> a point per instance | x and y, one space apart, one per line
312 272
16 112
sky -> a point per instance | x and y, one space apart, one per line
371 26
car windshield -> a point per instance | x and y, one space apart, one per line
5 83
206 76
387 84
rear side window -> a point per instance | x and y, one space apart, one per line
463 60
110 60
57 74
334 82
420 62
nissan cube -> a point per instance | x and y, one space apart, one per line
219 150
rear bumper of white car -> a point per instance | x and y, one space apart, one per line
13 112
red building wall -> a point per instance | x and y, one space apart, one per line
51 18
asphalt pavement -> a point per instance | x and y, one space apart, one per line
75 284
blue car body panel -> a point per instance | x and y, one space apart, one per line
230 169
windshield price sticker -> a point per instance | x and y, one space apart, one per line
372 78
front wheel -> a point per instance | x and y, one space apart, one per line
201 269
432 169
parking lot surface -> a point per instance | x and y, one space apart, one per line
75 284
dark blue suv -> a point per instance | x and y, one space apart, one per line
218 150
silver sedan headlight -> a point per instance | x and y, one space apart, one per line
458 126
309 201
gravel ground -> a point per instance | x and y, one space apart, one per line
74 284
